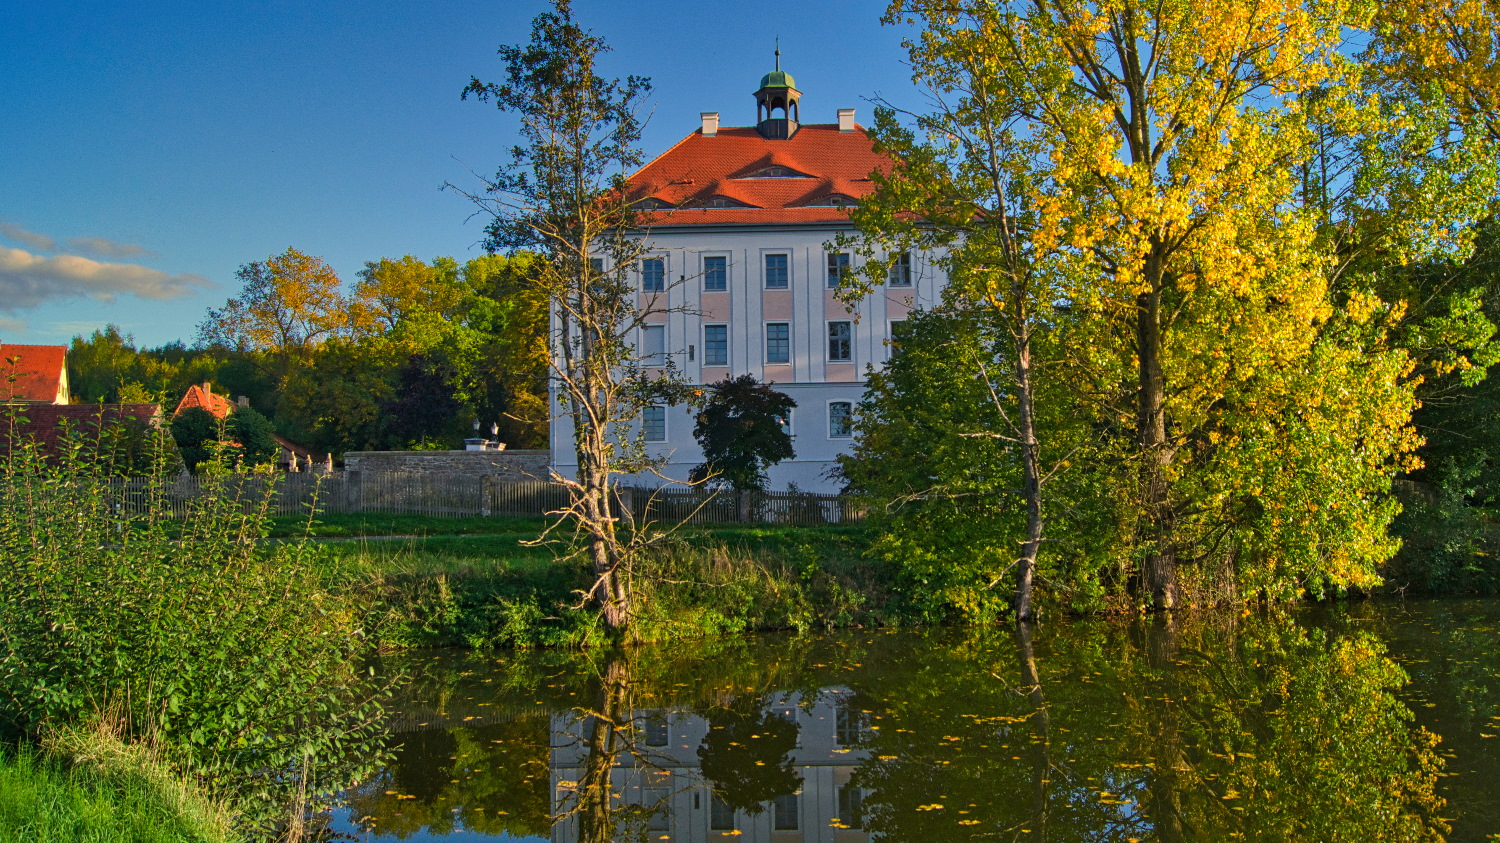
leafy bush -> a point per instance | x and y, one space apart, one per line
222 649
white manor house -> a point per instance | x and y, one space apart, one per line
742 217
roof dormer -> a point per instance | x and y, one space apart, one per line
776 171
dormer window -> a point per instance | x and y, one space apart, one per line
724 202
833 200
651 203
777 172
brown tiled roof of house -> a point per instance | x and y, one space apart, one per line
825 165
50 424
39 375
203 396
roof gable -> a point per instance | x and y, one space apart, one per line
40 374
203 397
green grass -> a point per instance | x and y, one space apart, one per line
476 583
44 799
336 525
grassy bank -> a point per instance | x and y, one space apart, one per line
479 585
109 797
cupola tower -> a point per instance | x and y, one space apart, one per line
776 110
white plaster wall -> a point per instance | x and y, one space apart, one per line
808 305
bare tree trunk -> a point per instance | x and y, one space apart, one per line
1031 482
1160 567
610 590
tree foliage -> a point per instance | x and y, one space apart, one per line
742 431
288 304
1217 323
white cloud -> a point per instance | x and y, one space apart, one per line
11 327
27 280
105 248
30 238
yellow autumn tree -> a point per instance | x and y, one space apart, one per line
1165 143
289 304
1450 47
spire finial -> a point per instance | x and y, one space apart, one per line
778 52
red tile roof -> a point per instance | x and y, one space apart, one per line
203 396
697 169
39 376
49 424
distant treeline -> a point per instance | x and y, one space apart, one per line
411 357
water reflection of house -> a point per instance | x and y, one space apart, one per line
663 775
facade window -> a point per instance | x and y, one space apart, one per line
786 812
654 275
654 345
654 424
840 342
838 268
716 345
900 271
720 814
715 274
658 804
840 419
851 725
778 273
894 340
597 265
851 806
655 728
778 342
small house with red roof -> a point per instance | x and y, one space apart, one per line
34 374
739 277
202 396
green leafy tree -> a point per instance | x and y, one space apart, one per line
390 292
742 430
255 435
509 309
195 430
423 408
946 500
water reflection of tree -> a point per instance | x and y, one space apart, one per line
1299 734
610 738
747 754
490 778
1258 729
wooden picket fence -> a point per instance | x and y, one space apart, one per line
455 496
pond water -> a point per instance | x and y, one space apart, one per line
1366 721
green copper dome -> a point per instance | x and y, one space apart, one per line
778 79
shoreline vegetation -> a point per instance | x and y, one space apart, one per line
109 615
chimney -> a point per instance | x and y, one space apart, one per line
710 123
243 402
208 388
846 120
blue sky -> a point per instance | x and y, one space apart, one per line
148 149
